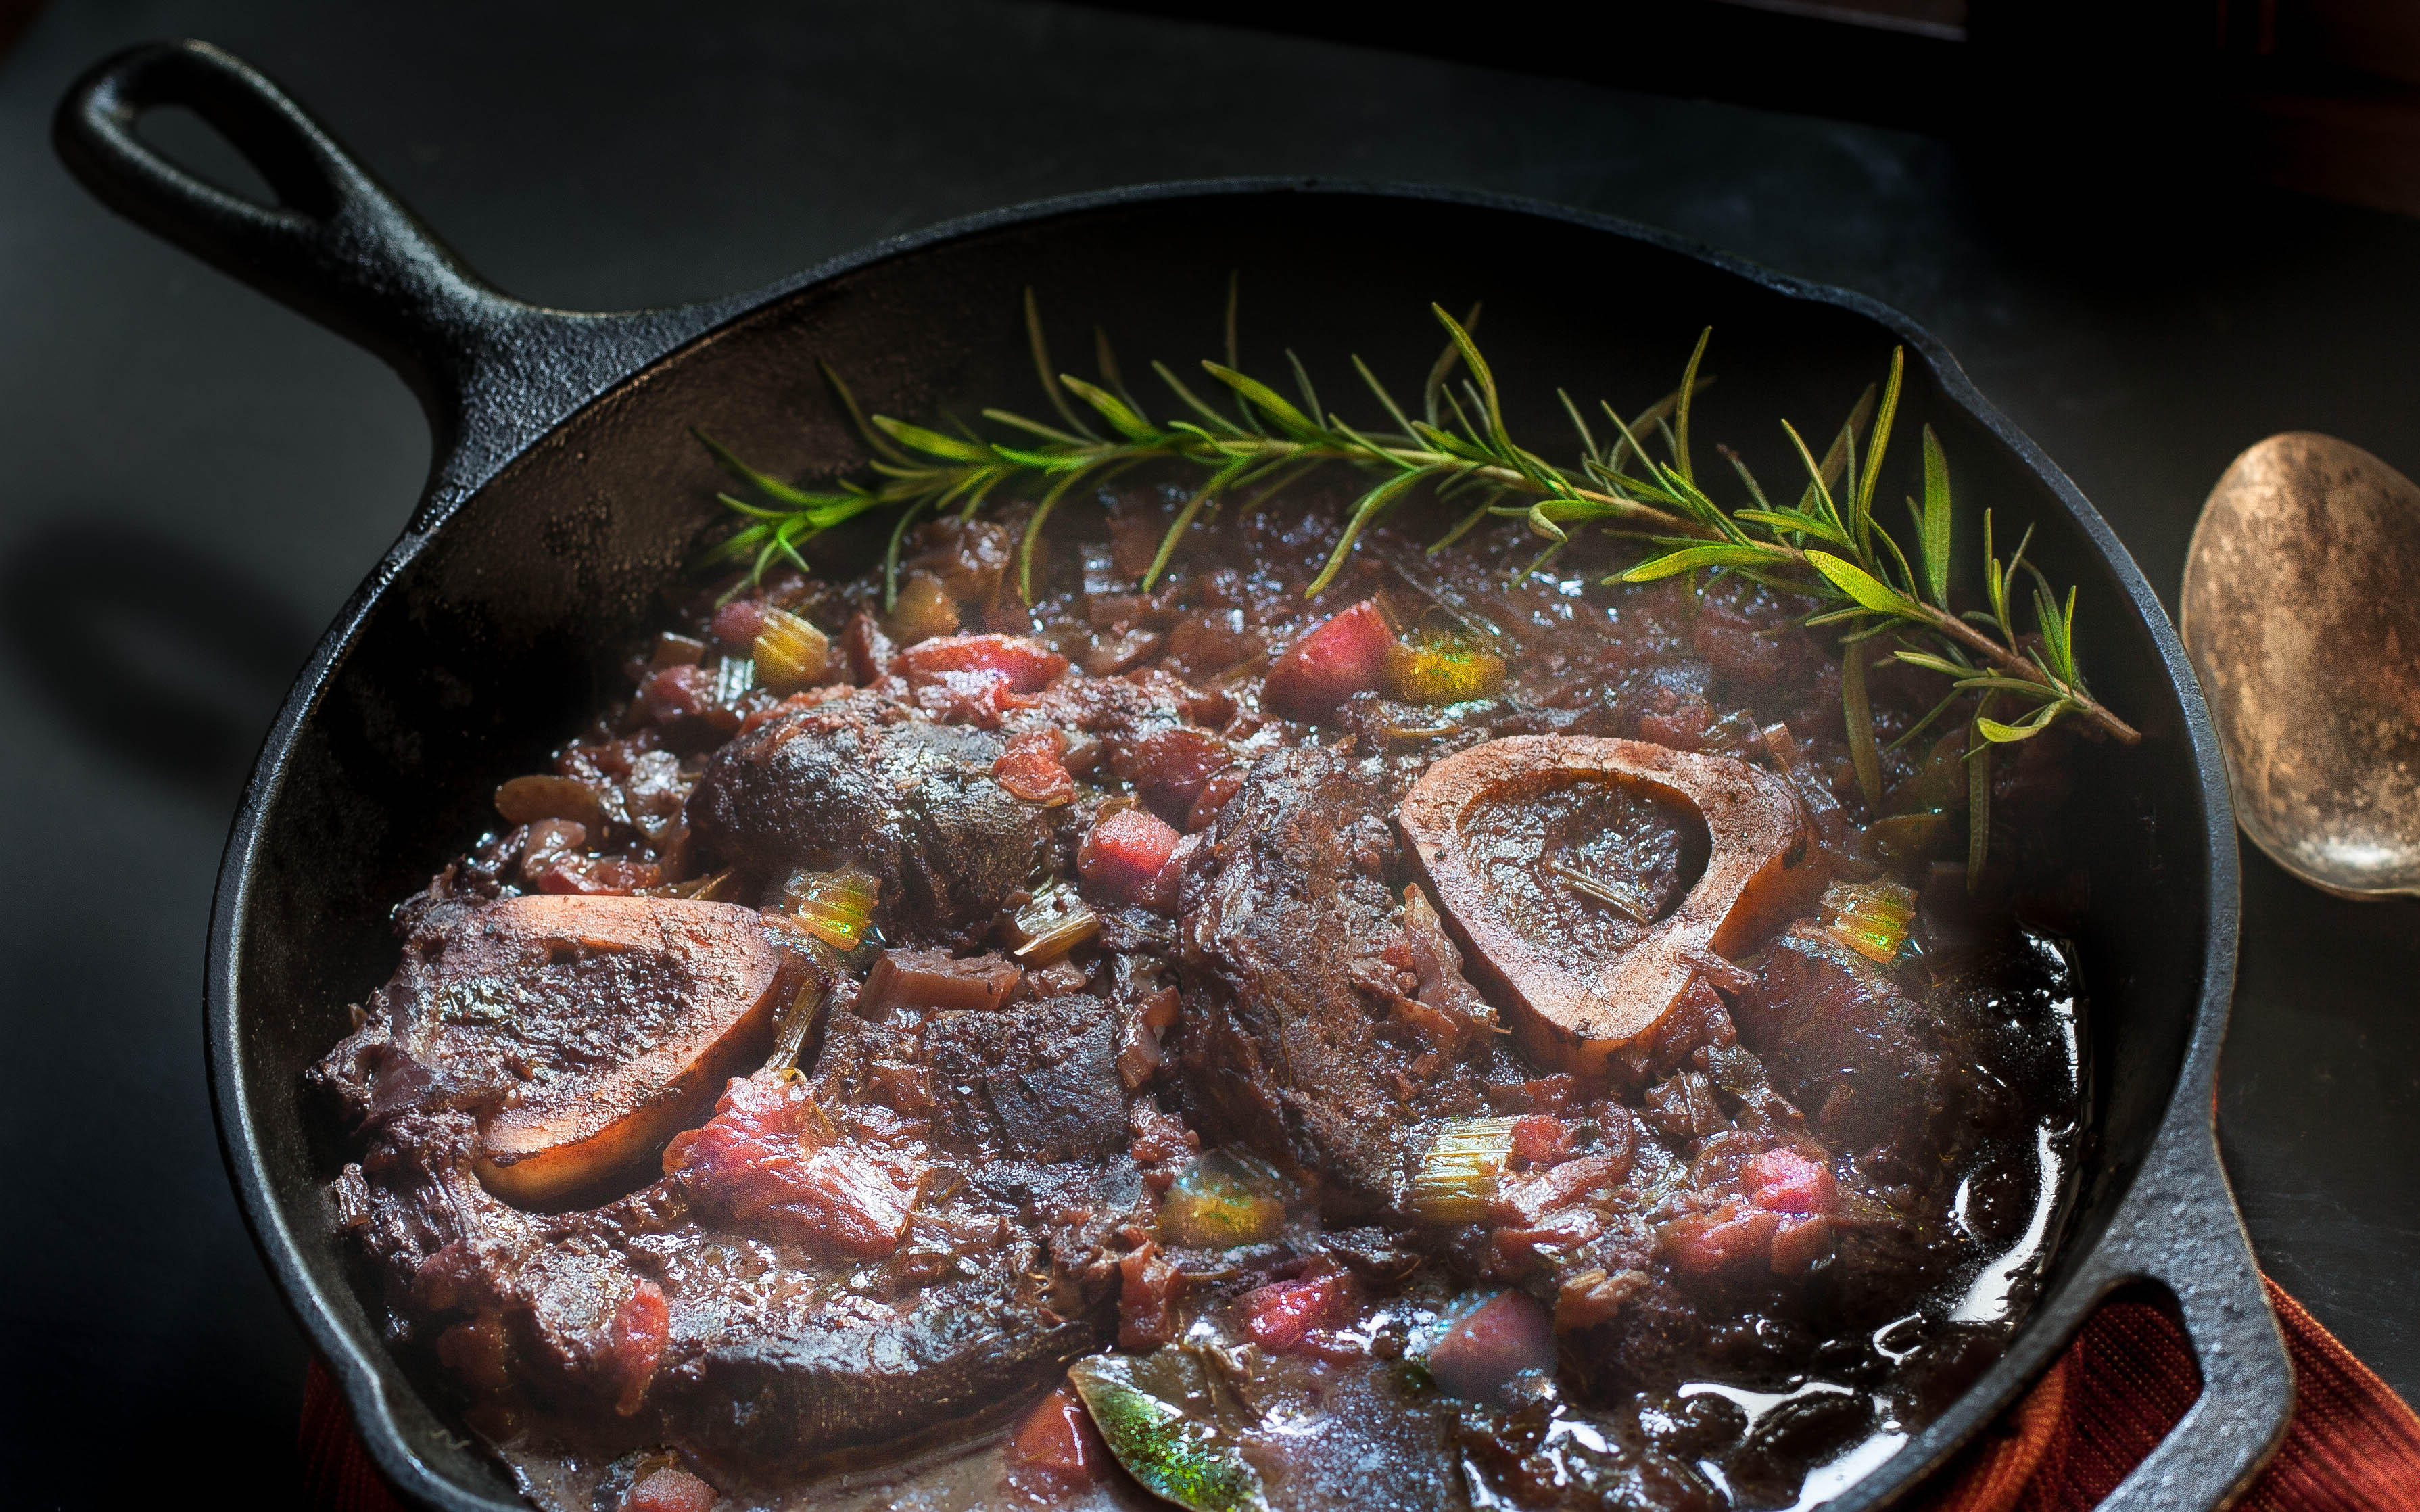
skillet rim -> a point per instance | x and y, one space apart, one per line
2179 1157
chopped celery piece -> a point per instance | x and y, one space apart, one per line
836 907
1457 1177
733 677
1055 922
1439 667
790 652
1223 1199
1155 1413
1870 919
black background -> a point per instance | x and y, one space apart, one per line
191 480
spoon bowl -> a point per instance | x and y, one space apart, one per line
2301 612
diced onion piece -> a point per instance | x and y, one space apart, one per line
1438 668
836 907
1871 919
1458 1175
1489 1341
1055 922
923 610
1910 836
790 652
544 796
1223 1199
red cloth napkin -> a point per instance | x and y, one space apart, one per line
2125 1381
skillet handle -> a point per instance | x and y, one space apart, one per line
492 373
2179 1228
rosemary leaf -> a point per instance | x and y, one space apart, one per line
1934 523
1040 346
1824 548
1979 800
1860 584
1367 509
1859 714
1681 415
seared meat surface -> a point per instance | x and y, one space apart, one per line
865 780
926 1225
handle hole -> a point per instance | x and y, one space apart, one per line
185 138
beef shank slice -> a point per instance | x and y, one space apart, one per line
582 1032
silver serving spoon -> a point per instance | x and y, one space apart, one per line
2301 612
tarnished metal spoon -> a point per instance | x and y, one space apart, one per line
2301 612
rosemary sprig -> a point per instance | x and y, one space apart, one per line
1828 547
1461 448
1832 549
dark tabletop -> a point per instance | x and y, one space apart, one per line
193 480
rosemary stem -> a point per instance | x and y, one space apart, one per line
1946 623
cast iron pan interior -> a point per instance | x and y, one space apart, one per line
568 495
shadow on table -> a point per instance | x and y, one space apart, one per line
157 653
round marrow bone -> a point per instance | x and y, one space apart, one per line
1760 869
702 980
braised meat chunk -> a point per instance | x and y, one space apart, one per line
1323 1020
863 780
1856 1051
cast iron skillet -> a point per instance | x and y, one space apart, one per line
567 494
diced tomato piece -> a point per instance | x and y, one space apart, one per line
1538 1140
596 876
1276 1316
767 1158
671 1489
677 693
1171 768
1481 1351
1339 659
1124 853
1025 667
1785 1181
1056 1442
983 699
634 1342
1034 768
1527 1199
1547 1094
1147 1286
739 623
479 1352
1704 1242
1214 796
1799 1243
1511 1250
